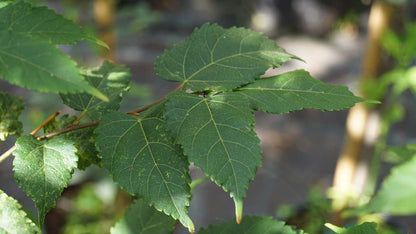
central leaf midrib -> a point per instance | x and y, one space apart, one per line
157 167
222 142
294 91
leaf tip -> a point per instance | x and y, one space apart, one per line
238 202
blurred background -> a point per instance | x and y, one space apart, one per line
300 149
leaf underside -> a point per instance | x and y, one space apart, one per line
144 219
142 159
217 135
221 59
10 108
12 218
111 80
43 169
296 90
251 225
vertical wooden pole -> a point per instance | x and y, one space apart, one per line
104 16
344 188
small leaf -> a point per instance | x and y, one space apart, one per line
12 218
217 135
364 228
295 91
112 80
141 158
84 140
252 225
397 194
221 59
43 169
40 66
141 218
85 143
10 108
40 22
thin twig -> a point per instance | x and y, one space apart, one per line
143 108
45 122
68 129
7 153
77 127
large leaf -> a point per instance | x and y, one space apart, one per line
217 58
39 22
364 228
12 218
141 218
112 80
295 91
142 159
40 66
43 169
217 135
10 108
397 194
252 225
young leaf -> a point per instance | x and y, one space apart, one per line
84 140
112 80
221 59
141 218
365 228
397 194
295 91
12 218
40 22
43 169
141 158
10 108
40 66
217 135
85 143
252 225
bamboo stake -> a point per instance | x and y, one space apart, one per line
345 177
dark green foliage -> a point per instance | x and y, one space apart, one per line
10 108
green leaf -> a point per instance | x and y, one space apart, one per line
397 194
40 66
399 154
217 135
112 80
84 140
251 225
85 143
221 59
141 218
12 218
295 91
40 22
141 158
364 228
10 108
43 169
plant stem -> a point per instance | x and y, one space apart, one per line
143 108
68 129
7 153
44 123
77 127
